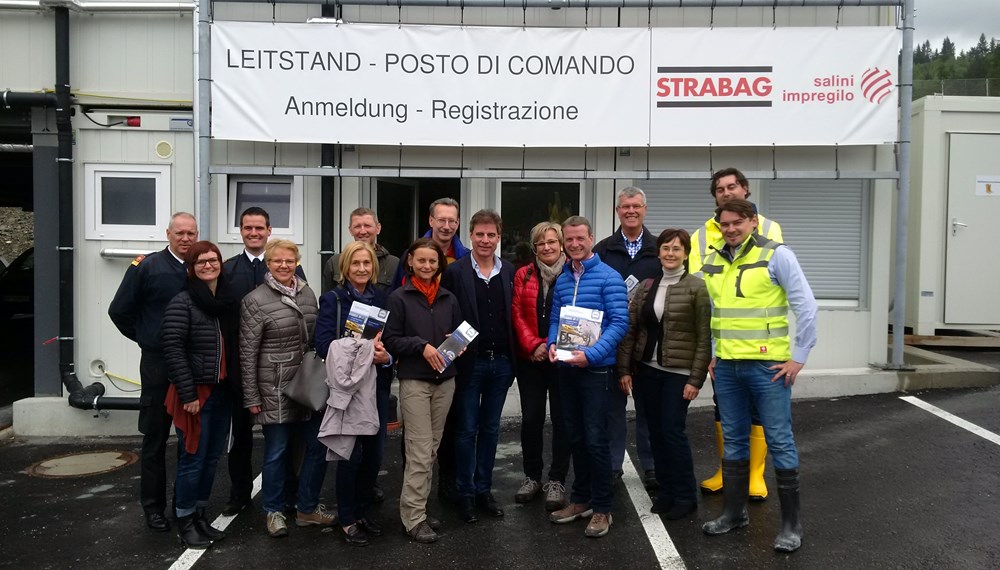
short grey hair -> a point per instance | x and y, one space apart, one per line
176 215
444 202
630 192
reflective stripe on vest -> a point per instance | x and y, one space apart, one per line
749 313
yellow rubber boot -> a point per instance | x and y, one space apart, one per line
758 454
714 483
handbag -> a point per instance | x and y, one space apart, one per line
308 387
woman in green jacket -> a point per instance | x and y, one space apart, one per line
667 350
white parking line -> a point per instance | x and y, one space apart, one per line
663 547
966 425
221 522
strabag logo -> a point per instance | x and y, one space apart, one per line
714 86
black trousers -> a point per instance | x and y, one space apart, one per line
154 425
536 383
241 454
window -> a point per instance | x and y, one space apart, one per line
280 196
824 222
127 201
524 204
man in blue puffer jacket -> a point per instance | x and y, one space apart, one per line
587 375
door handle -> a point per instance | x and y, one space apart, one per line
955 224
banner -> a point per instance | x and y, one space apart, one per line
552 87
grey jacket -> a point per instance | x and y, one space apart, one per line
350 410
273 329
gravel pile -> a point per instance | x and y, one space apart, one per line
17 232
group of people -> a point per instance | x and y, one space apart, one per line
220 341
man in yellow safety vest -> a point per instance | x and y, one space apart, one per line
753 281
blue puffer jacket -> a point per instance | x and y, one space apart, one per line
602 288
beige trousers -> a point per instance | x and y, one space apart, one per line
424 407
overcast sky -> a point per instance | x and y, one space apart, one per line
961 20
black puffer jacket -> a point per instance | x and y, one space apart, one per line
413 324
192 341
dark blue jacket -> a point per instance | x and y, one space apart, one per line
460 278
645 265
150 283
601 288
459 250
329 328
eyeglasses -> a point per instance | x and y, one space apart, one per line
447 222
206 262
627 207
550 243
280 262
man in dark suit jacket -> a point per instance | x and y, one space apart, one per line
483 284
244 272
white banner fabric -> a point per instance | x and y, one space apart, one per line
552 87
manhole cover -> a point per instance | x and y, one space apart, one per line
82 464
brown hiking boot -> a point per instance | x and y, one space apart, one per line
571 513
599 525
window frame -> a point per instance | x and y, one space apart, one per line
95 172
226 232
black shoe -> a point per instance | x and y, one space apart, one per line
355 536
434 523
371 527
649 480
661 506
378 496
157 522
205 527
617 473
489 505
466 509
189 534
234 506
680 510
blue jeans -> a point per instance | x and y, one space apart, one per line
740 383
662 396
313 470
478 403
584 393
356 478
618 430
196 471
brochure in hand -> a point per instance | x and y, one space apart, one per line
364 321
456 343
578 328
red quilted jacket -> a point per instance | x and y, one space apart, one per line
525 311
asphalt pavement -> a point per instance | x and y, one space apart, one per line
885 484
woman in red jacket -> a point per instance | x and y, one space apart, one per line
536 376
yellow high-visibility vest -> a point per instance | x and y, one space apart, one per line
710 233
749 312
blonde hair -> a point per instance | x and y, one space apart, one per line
281 244
538 232
348 254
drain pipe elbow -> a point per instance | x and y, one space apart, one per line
80 397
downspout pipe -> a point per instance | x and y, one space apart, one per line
92 397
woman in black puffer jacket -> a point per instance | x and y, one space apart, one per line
199 330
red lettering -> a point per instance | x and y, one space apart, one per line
762 86
725 87
742 87
663 84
